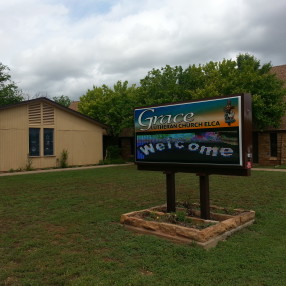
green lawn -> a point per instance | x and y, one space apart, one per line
63 228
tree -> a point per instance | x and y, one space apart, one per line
63 100
111 106
161 86
9 92
243 75
246 75
114 106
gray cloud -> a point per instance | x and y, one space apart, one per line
64 47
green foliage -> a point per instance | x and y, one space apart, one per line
113 107
63 160
63 100
248 76
243 75
181 216
161 86
113 156
9 92
113 152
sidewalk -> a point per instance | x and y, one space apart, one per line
267 169
103 166
63 169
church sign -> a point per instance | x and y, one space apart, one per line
212 132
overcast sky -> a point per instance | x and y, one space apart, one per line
64 47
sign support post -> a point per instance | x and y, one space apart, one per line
171 191
205 136
204 196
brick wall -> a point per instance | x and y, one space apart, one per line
283 148
264 157
126 147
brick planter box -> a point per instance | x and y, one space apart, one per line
218 228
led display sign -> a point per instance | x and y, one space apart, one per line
205 132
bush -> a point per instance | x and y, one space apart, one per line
63 161
113 152
112 156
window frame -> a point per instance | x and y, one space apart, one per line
41 142
45 143
38 143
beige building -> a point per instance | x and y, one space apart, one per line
38 131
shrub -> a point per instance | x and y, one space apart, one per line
112 156
63 161
112 152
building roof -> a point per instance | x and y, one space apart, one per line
280 71
74 105
57 105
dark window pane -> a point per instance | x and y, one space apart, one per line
273 144
48 141
34 141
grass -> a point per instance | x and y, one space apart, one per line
63 228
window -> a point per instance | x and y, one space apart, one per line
48 141
273 144
34 141
38 148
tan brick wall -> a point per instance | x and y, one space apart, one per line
126 148
264 157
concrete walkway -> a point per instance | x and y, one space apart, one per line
267 169
63 169
103 166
